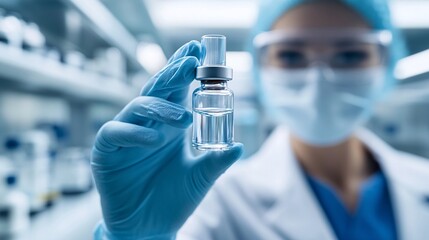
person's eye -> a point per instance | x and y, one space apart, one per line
289 58
351 58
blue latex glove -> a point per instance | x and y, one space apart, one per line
149 184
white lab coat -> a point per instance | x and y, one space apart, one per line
267 197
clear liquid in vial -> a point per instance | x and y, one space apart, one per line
213 128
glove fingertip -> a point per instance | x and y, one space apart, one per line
228 156
192 48
215 163
234 152
186 120
191 61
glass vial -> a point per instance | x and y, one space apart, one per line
213 102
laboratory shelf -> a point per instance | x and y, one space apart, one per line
135 16
32 72
70 218
108 27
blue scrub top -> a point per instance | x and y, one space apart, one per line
373 218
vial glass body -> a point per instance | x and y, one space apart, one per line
213 107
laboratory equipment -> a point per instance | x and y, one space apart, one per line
75 59
30 153
33 38
213 102
72 172
14 207
11 29
52 53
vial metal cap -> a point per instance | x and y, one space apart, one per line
213 65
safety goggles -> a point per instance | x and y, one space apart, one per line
337 49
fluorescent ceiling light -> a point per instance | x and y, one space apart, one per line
410 13
203 14
413 65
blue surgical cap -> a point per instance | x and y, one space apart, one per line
375 12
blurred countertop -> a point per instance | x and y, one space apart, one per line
71 218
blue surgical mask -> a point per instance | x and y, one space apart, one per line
319 105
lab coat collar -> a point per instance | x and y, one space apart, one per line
407 180
396 164
297 213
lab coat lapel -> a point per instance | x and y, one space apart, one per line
296 214
412 213
410 196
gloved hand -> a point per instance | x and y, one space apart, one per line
148 183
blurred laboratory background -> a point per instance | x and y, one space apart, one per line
68 66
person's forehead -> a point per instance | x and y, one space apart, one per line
320 14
